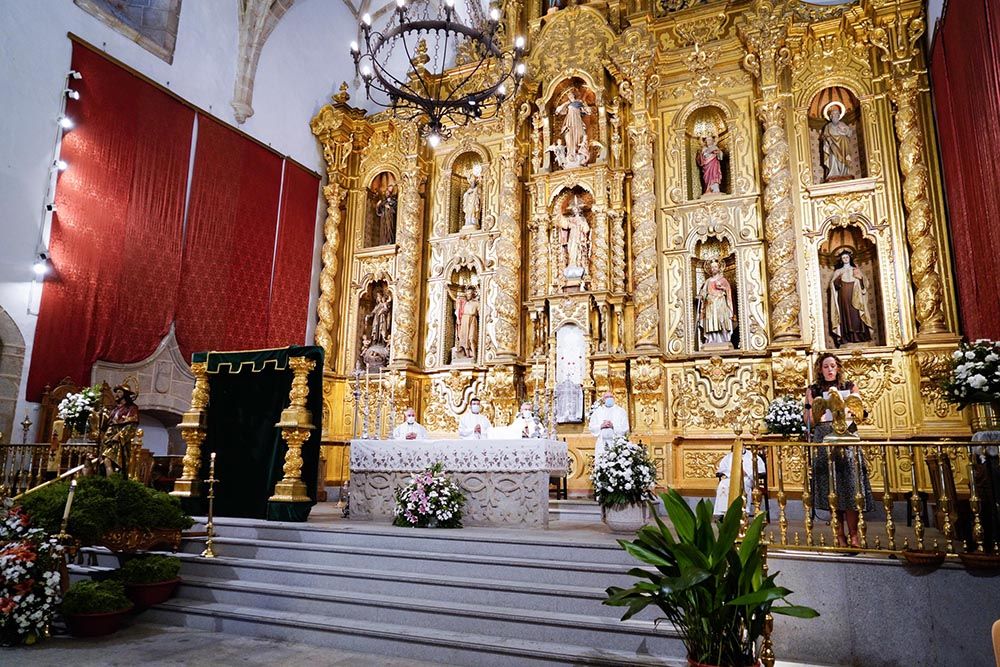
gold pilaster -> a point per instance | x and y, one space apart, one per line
409 240
296 426
193 428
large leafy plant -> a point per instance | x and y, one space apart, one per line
708 584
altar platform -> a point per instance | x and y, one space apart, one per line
505 482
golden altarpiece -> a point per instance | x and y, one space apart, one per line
667 210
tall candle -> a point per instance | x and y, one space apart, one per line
69 501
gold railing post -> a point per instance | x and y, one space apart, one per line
918 522
859 498
943 500
767 645
831 496
890 525
296 425
807 501
977 525
194 428
782 518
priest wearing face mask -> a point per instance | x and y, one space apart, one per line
524 425
473 425
409 429
607 421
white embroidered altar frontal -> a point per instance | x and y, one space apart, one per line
505 482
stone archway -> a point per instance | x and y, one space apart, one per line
11 367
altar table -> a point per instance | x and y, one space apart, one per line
505 482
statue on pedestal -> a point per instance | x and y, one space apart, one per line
375 343
123 422
836 139
716 314
709 159
466 326
575 237
573 150
850 321
472 202
382 215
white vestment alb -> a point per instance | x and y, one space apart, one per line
619 425
404 429
516 429
467 427
724 469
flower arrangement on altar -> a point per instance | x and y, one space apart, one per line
784 416
429 500
623 474
76 408
29 579
975 373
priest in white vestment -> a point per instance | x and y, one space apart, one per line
606 422
473 425
724 473
524 425
409 429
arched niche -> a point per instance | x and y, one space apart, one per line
715 298
571 359
463 317
466 192
852 317
837 145
707 153
374 326
573 222
380 210
573 98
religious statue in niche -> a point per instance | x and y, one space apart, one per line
472 201
380 224
709 158
716 312
850 320
378 327
466 325
575 240
573 148
836 140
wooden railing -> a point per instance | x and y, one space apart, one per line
962 474
25 466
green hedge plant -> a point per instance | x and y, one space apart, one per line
707 583
150 569
95 597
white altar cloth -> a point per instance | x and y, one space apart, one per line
505 482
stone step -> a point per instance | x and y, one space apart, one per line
506 568
598 547
444 646
470 617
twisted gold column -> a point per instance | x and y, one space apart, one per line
296 425
325 311
193 428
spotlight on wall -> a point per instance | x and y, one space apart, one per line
66 122
72 94
60 165
41 266
51 208
73 74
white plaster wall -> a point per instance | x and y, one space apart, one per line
300 66
154 435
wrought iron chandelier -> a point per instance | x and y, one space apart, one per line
429 43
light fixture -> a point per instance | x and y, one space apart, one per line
41 266
427 35
60 165
72 94
65 122
73 74
50 207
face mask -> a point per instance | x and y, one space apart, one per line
410 419
609 402
526 414
475 409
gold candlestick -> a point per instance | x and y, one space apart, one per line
209 552
63 536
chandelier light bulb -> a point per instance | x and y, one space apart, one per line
519 42
354 47
433 139
450 3
65 122
366 72
400 3
501 90
495 14
367 19
519 69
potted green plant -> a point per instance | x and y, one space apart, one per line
708 584
150 579
623 477
95 608
121 514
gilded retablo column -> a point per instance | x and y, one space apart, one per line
409 240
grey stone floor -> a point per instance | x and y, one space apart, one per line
162 646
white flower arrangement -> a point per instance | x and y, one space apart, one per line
975 373
30 589
75 409
430 499
623 474
784 416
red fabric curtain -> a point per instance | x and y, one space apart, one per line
293 257
229 245
965 76
115 243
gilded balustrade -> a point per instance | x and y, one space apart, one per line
970 534
23 466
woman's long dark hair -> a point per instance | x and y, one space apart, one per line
820 380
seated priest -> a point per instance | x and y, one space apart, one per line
606 422
724 473
473 425
525 425
409 429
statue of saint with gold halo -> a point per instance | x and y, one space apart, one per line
836 144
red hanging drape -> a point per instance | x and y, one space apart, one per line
223 302
965 78
293 257
115 243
